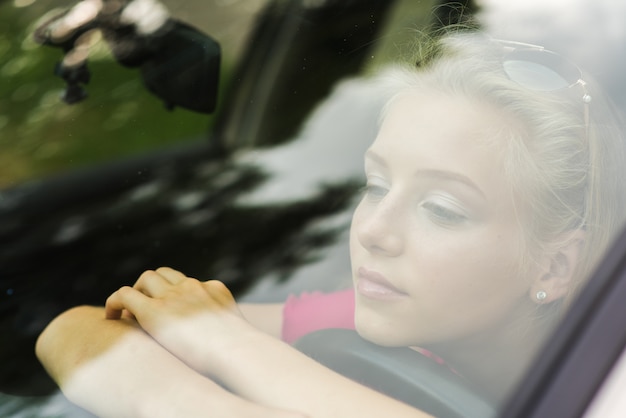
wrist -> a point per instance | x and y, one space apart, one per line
230 349
243 359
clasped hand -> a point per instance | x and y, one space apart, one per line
191 319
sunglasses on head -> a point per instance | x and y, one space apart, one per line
539 69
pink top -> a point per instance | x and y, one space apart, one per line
313 311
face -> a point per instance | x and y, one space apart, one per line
435 241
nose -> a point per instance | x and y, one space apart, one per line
380 228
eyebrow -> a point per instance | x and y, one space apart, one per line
433 173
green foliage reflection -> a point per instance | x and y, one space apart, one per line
39 134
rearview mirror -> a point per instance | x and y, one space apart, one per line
179 64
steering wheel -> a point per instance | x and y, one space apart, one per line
400 373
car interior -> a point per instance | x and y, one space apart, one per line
271 157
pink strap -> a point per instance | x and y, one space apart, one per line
313 311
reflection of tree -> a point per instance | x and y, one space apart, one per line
40 135
97 230
74 239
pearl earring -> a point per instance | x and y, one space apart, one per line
541 295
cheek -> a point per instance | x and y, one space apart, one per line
485 267
481 278
466 285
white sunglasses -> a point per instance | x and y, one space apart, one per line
537 68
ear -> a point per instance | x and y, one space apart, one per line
554 280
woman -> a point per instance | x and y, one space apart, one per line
487 204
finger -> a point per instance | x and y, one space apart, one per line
127 315
219 292
171 275
125 298
152 283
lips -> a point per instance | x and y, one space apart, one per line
374 285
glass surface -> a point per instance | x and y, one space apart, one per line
261 193
40 135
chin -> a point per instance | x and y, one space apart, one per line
381 340
377 333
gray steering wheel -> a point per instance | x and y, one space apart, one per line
400 373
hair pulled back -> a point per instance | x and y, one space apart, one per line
566 175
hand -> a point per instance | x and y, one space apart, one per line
191 319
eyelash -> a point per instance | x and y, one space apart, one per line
443 215
374 191
439 214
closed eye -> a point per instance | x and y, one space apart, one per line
375 192
443 215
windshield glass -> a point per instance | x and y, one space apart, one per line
39 136
440 179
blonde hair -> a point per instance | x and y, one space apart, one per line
568 174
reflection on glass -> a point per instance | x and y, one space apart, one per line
480 218
487 204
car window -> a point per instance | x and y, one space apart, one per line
41 135
261 193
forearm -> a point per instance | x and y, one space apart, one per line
271 372
266 317
112 368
